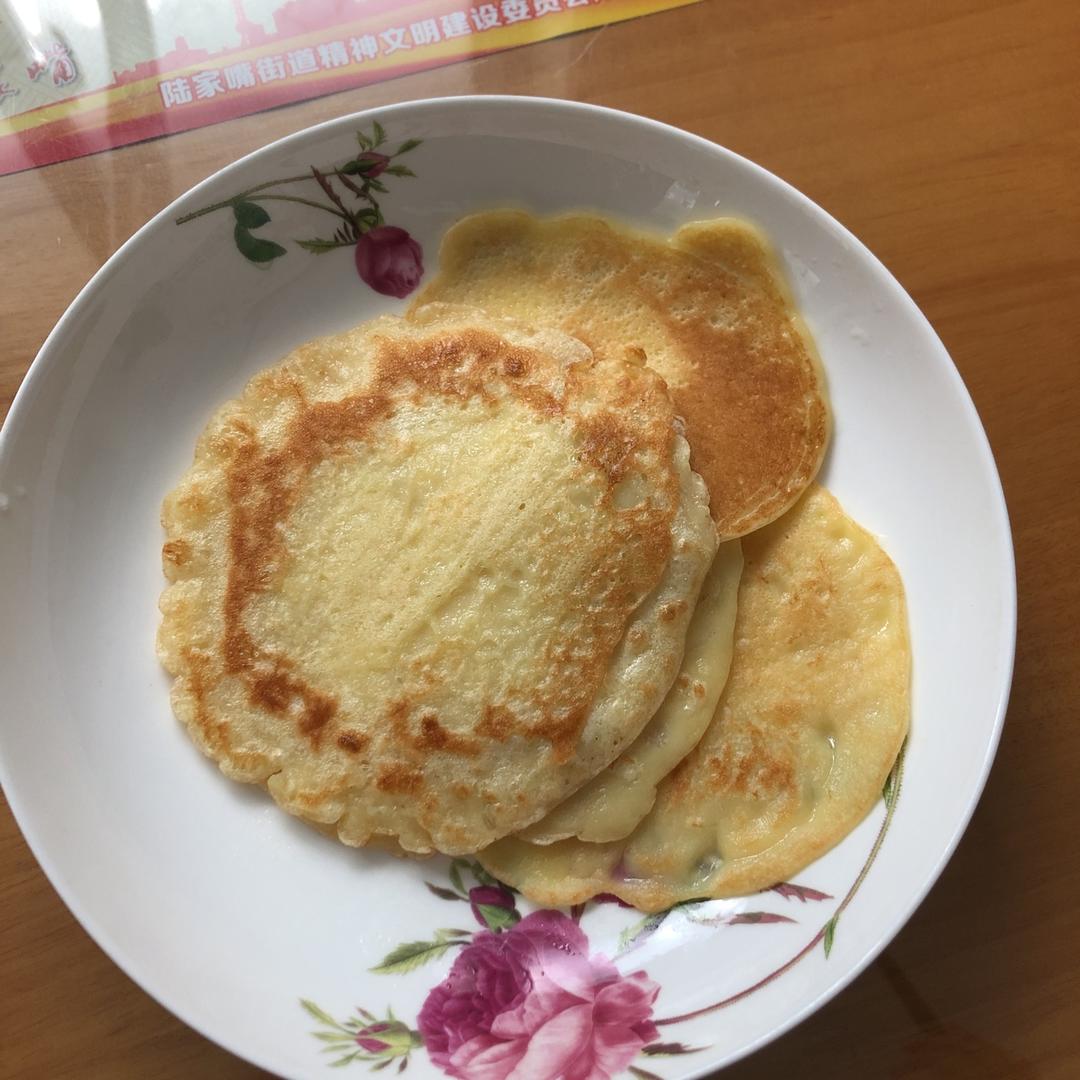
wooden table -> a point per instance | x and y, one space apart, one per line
945 135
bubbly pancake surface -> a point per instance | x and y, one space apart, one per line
810 723
708 311
611 805
427 578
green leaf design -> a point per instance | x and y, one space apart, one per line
497 918
483 877
399 170
376 185
363 140
407 145
640 931
321 247
830 933
892 781
441 893
414 954
335 1037
345 1060
380 133
323 1017
254 248
691 909
455 875
250 215
410 956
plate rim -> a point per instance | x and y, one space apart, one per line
130 965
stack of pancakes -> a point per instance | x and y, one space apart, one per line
540 572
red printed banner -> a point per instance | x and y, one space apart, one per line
224 63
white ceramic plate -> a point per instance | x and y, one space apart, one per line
228 911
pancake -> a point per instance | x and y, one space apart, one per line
610 805
427 578
708 310
810 723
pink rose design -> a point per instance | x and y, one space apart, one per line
389 260
531 1004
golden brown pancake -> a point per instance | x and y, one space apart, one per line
707 310
810 723
429 577
611 805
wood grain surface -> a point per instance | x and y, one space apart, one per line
945 135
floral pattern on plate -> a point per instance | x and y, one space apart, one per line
525 996
387 258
